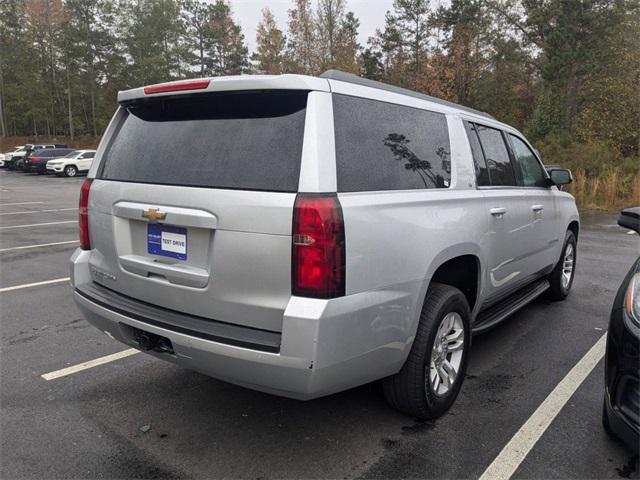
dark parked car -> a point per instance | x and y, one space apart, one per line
17 159
37 161
621 410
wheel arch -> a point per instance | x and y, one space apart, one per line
462 271
574 226
455 257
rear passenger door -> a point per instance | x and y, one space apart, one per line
509 243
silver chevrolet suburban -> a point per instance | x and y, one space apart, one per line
302 236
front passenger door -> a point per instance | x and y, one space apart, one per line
535 187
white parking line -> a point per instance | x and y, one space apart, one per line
25 247
18 203
36 284
37 224
514 452
90 364
39 211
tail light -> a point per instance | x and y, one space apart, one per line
83 215
318 250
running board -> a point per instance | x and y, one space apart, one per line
495 314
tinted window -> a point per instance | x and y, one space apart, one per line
482 174
43 153
57 152
496 156
532 174
88 155
382 146
239 140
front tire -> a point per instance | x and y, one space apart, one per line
70 171
431 377
561 278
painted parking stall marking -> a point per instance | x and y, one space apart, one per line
35 284
514 452
90 364
38 224
41 245
19 203
39 211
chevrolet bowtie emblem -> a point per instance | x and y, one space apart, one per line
154 214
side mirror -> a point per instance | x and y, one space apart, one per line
630 218
560 176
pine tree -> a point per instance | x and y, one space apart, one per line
329 19
270 45
228 54
407 27
14 71
302 44
152 32
88 47
347 47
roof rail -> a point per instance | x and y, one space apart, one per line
351 78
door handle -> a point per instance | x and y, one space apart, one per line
498 211
537 208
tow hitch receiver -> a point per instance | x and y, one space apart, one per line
150 341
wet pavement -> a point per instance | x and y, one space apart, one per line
139 417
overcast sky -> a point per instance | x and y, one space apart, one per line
247 13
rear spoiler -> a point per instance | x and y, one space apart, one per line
222 84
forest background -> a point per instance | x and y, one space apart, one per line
565 72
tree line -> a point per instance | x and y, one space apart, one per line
564 71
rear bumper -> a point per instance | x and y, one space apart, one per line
325 346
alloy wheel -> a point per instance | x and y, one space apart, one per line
446 355
567 266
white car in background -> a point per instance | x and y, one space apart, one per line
71 164
8 154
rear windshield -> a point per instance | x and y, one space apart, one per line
239 140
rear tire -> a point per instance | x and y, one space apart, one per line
431 377
561 278
70 171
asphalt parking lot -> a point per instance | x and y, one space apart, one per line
138 417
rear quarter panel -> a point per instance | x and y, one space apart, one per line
396 240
